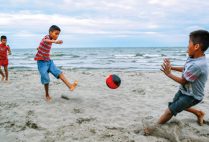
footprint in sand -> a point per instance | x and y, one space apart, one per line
139 91
206 122
29 122
84 120
77 110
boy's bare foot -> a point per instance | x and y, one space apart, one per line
2 79
149 127
200 118
72 87
148 131
48 98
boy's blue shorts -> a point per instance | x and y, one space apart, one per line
46 67
181 102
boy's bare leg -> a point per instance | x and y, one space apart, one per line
6 72
2 74
200 115
67 83
46 86
163 119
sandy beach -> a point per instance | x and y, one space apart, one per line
93 112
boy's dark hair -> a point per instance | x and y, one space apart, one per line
54 28
3 37
200 37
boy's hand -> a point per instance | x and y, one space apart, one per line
58 41
166 60
166 67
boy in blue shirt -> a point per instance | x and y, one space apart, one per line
192 82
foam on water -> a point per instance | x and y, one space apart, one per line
103 58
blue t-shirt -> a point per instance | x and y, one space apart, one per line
196 73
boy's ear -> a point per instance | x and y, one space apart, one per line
197 46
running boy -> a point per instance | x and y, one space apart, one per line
46 65
192 82
4 50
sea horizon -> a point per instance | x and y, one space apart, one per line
125 58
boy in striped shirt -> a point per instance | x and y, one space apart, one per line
46 65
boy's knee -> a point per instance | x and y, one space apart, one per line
168 112
56 72
45 78
60 75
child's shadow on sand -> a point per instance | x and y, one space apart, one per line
67 99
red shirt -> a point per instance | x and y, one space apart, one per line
4 52
43 50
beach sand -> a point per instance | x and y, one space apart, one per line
93 112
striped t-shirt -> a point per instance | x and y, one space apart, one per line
43 50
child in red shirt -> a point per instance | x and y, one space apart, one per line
4 50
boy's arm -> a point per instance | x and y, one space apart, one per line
10 52
166 68
180 80
53 41
179 69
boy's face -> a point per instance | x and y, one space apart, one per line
54 34
192 48
4 41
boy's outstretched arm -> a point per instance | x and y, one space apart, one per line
179 69
180 80
53 41
166 68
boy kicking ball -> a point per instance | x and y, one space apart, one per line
46 65
192 82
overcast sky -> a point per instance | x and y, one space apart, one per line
103 23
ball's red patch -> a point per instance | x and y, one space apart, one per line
113 81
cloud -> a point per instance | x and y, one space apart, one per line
100 20
164 3
73 25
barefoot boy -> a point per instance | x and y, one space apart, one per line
4 50
192 82
46 65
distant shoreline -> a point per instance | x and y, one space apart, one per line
101 47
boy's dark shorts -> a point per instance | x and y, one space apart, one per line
181 102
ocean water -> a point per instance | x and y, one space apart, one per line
130 59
